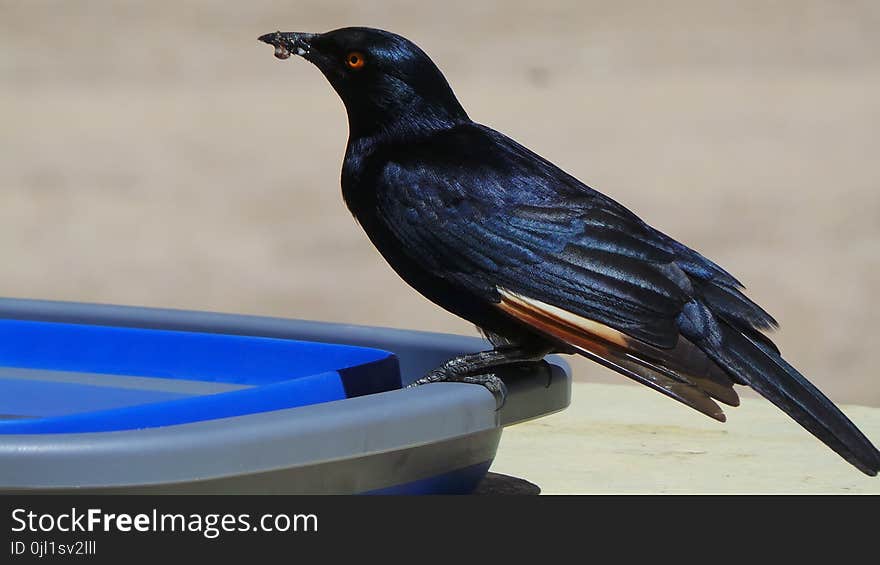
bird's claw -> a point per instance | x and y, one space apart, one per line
490 381
493 384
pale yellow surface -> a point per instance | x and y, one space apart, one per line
623 439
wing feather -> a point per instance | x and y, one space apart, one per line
684 372
609 353
501 222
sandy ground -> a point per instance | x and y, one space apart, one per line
154 153
617 439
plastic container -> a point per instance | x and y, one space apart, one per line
97 398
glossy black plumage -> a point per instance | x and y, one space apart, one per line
500 236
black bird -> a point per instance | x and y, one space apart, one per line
538 260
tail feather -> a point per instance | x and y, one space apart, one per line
763 369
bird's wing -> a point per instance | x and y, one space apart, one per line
564 260
506 225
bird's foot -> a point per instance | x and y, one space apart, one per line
489 380
481 368
462 370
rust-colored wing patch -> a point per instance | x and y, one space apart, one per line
683 373
516 303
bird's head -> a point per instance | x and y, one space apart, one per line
385 81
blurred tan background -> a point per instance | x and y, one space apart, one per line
153 153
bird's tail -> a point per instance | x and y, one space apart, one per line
756 364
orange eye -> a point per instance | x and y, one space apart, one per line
355 60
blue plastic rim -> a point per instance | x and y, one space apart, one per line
68 378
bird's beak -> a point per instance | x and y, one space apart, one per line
287 42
